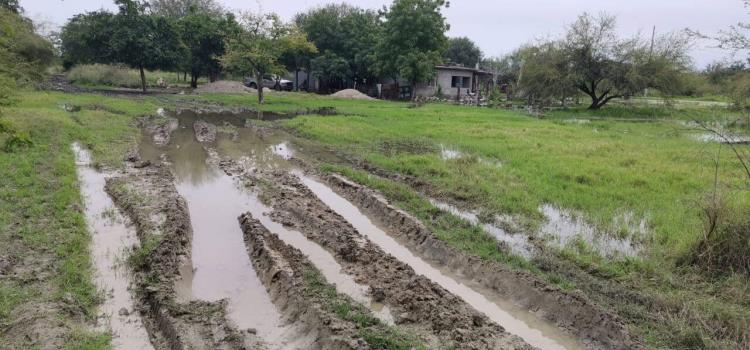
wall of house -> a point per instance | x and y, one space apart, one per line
445 79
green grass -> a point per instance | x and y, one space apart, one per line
628 159
375 333
40 202
101 75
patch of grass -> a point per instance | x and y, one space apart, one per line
377 334
40 201
94 75
138 259
81 339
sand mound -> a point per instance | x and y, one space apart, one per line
352 94
224 86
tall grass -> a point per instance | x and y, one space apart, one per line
119 76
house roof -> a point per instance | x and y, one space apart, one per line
462 68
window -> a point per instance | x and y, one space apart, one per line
464 82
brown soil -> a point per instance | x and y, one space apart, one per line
414 299
281 268
569 310
149 197
204 132
224 86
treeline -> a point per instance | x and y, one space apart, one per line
340 44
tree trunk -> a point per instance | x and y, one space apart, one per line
184 76
194 80
413 90
259 80
296 79
143 78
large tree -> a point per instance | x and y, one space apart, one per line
183 8
605 67
204 35
342 33
464 51
144 41
86 39
298 53
257 49
413 40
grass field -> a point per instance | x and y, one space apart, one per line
643 162
640 161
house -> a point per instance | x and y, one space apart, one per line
452 79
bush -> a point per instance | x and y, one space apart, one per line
119 76
725 248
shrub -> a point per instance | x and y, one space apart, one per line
119 76
725 247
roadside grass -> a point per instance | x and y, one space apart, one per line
41 208
375 333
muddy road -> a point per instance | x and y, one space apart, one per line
315 260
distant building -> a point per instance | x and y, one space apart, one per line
450 79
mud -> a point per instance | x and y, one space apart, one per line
282 269
159 128
162 223
204 132
414 299
112 240
571 311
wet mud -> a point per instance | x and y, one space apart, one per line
414 299
112 240
162 224
571 311
282 269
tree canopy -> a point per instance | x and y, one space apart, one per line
204 33
346 37
183 8
463 51
413 40
257 48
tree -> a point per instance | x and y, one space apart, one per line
258 47
347 33
144 41
183 8
86 39
204 35
331 68
298 52
605 67
463 51
11 5
545 73
413 40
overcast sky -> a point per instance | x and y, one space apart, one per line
497 26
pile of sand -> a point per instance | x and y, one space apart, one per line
224 86
352 95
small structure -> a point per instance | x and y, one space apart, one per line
456 81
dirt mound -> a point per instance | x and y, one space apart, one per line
225 87
351 94
204 131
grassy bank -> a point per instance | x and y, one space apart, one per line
42 227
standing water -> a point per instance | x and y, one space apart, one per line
111 240
516 321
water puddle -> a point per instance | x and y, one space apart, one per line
727 138
112 238
565 227
221 267
515 320
449 153
517 243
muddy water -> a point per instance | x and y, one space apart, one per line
221 267
515 320
112 238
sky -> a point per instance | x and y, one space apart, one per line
498 27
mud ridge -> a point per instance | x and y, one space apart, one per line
204 132
148 196
572 311
160 128
282 270
416 301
